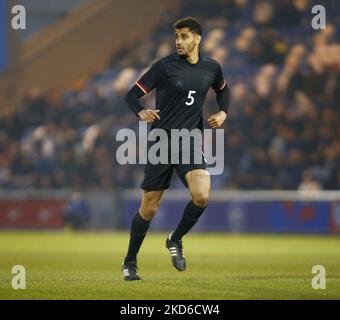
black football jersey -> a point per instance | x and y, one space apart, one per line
181 88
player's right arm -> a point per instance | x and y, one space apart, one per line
151 79
132 99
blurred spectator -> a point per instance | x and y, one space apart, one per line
288 12
268 48
308 183
77 212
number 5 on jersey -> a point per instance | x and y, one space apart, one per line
191 98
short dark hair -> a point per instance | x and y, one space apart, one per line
189 22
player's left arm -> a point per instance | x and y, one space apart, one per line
222 98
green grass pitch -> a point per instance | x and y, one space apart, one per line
66 265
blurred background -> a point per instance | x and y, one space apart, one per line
62 85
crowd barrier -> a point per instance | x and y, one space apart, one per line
228 211
249 211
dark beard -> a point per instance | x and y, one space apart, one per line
184 55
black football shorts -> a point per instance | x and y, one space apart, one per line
157 176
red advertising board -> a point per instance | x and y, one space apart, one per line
32 213
335 217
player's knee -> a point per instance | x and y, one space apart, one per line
153 208
149 211
200 199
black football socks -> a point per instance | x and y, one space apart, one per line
139 228
190 216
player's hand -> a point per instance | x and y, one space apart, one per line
217 119
149 115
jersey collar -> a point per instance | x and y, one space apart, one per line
187 62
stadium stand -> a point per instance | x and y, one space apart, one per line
282 132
